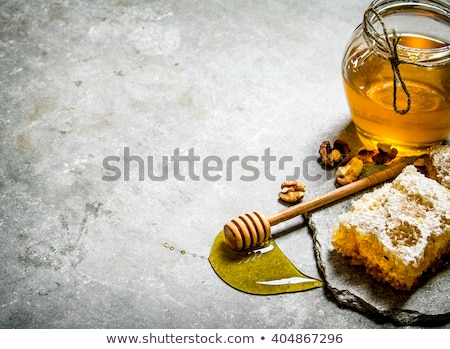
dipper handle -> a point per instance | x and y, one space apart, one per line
252 229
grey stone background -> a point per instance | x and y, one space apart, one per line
85 80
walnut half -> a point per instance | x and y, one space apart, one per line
385 154
292 191
338 154
350 172
382 155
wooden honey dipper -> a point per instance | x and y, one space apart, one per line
252 229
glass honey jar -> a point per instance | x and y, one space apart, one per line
396 74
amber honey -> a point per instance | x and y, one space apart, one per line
368 82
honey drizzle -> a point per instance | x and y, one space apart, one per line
183 252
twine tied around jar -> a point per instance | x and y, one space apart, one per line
390 47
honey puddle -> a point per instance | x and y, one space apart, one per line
263 271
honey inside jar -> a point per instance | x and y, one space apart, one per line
369 89
408 108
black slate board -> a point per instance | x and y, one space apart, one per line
428 304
